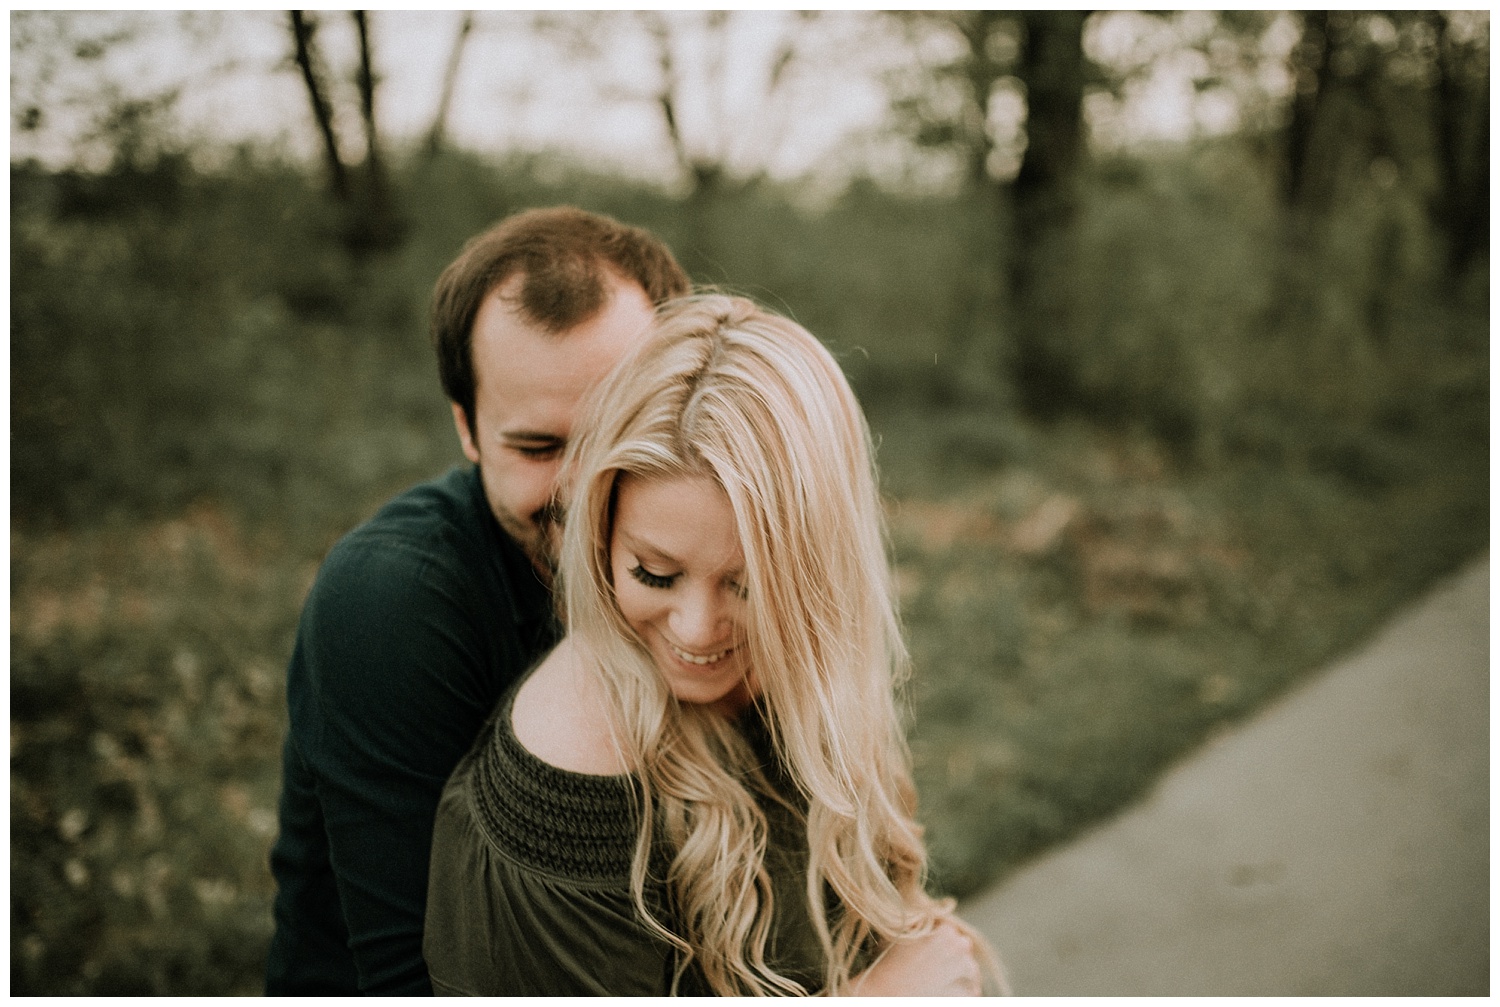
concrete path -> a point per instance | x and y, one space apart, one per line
1335 844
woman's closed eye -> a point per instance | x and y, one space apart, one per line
656 580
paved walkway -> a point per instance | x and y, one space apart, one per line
1335 844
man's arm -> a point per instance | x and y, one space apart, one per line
391 692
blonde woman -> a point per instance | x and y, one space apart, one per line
704 789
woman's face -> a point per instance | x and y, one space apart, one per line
679 581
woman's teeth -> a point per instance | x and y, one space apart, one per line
700 659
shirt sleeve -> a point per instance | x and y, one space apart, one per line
392 693
496 928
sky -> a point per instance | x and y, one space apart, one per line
521 89
515 89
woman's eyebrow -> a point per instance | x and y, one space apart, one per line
644 550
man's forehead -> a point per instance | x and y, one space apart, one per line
541 385
531 381
533 412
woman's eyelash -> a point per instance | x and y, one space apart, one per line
650 579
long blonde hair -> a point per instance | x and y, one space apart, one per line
726 390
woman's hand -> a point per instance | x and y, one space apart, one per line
940 963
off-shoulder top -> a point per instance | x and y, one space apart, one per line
529 890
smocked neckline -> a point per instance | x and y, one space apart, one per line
578 826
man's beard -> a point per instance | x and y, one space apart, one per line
539 538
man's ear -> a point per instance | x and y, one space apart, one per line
465 435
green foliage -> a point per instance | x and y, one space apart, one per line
1087 611
160 345
207 391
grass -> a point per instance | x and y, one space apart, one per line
1081 620
146 667
205 396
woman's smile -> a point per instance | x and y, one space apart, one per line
700 659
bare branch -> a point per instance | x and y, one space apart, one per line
365 77
310 62
435 135
656 27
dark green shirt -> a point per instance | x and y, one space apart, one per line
417 623
529 893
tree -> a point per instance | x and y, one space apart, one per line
372 223
1311 72
723 105
1460 207
1027 171
952 102
310 62
1044 207
79 98
1405 94
723 85
437 133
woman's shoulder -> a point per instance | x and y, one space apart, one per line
559 716
541 817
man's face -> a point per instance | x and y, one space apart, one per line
529 387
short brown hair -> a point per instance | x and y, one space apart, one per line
563 253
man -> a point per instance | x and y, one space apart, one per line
420 618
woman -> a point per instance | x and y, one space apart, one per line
704 788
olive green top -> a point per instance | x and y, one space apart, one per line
529 893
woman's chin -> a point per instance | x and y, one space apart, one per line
724 689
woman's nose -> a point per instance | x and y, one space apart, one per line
699 621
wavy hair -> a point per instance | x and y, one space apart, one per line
727 390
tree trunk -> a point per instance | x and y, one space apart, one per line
311 64
366 79
1312 77
1044 200
375 225
1310 169
1461 207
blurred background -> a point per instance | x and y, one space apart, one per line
1172 328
